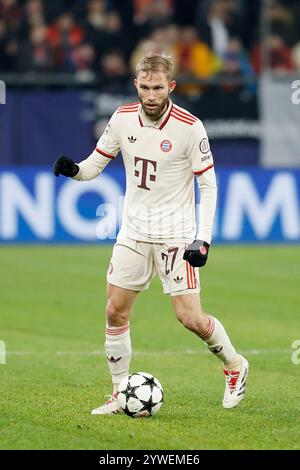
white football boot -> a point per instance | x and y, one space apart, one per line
235 385
111 407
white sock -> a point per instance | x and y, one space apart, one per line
219 343
118 351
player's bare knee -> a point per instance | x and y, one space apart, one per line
116 315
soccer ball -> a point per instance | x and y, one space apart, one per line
140 395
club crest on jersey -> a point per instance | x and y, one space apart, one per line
204 146
166 145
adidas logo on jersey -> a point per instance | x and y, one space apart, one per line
178 279
132 140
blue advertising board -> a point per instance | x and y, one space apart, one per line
254 206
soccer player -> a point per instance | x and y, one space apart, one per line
163 148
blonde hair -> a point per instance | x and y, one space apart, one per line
156 63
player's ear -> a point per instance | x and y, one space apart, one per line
172 86
135 83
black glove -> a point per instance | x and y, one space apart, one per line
197 253
65 166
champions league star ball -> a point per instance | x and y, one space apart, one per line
140 395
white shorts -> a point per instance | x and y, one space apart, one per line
135 263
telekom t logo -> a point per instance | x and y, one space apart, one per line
144 170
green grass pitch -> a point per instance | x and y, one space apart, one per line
52 321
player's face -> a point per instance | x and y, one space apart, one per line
153 91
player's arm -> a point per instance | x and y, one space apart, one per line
202 164
107 148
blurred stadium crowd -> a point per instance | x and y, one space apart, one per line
207 38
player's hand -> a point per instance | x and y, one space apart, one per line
196 253
65 166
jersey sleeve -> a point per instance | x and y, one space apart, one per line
198 150
206 210
108 145
106 150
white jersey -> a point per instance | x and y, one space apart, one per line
161 159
